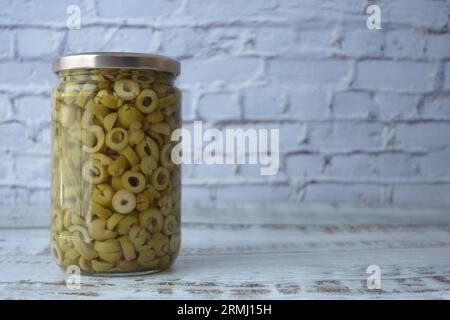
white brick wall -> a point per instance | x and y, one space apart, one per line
364 114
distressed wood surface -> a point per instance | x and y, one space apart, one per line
261 251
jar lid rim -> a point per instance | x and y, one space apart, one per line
116 60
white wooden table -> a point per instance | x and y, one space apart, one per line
246 251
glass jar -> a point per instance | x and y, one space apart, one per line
115 190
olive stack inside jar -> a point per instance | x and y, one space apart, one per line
115 190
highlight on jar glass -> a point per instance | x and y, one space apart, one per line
115 193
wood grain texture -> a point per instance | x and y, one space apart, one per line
262 251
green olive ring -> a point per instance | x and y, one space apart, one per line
148 147
84 96
84 249
118 167
85 264
160 243
152 219
126 89
146 77
102 194
165 205
57 225
136 137
99 111
160 178
98 231
160 128
67 262
128 115
103 158
102 266
124 201
99 136
82 231
148 164
127 248
159 138
94 172
155 193
111 256
128 266
109 121
175 241
166 155
138 236
147 101
167 101
124 226
113 221
133 181
130 155
76 220
65 240
170 225
70 256
144 200
99 210
108 246
107 98
147 257
117 139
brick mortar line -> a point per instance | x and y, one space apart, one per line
223 124
176 21
381 182
412 121
356 151
287 183
284 154
205 88
300 56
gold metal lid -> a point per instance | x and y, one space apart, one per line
116 60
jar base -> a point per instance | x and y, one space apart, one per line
117 274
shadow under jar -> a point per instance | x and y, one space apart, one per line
115 189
